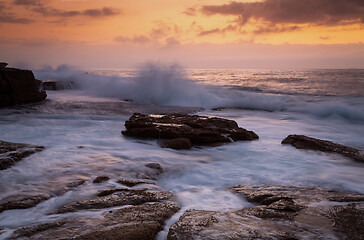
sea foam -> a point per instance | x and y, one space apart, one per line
170 85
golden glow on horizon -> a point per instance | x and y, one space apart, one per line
161 22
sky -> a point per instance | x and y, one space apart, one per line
194 33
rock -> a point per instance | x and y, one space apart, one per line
100 179
14 152
282 213
132 183
200 130
57 85
130 223
3 65
349 220
22 201
128 197
177 143
155 166
18 86
304 142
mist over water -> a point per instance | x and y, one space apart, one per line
334 93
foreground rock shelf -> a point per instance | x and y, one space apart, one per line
10 153
281 213
304 142
181 131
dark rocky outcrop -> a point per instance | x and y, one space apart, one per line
130 223
304 142
199 130
281 213
10 153
18 86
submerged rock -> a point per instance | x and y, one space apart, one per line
132 182
304 142
281 213
58 85
199 130
10 153
18 86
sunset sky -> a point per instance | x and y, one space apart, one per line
194 33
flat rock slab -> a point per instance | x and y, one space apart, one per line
281 213
125 197
199 130
130 223
10 153
304 142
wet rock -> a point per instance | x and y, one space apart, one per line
281 213
177 143
135 222
18 86
58 85
101 179
349 220
132 183
200 130
22 201
155 166
10 153
129 197
304 142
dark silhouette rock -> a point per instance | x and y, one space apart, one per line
18 86
101 179
10 153
177 143
304 142
281 213
200 130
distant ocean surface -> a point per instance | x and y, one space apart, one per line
326 104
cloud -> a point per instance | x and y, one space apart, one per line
137 39
190 11
276 29
10 18
28 2
217 30
319 12
95 13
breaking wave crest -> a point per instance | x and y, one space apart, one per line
169 85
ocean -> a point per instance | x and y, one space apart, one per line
80 129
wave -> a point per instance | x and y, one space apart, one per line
169 85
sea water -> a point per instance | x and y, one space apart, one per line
81 132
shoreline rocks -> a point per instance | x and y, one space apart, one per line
18 86
10 153
181 131
281 213
304 142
